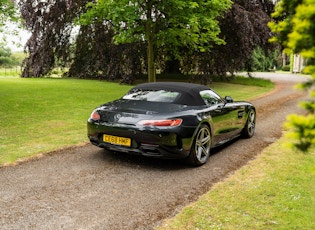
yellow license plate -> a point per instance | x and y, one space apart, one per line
117 140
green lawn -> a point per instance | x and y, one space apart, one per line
275 191
42 115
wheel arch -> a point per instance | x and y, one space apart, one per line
200 150
204 122
248 109
245 132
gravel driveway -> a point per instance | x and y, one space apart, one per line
88 188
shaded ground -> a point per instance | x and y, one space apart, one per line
88 188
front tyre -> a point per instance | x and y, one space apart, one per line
249 128
200 150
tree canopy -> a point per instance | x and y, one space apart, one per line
244 28
7 11
174 23
294 27
112 39
51 24
282 24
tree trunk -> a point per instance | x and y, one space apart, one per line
150 40
151 62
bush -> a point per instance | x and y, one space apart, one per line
285 68
264 62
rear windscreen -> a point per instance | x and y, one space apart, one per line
152 95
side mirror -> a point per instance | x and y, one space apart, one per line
228 99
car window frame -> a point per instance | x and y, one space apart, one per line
217 99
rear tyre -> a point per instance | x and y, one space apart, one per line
200 150
249 128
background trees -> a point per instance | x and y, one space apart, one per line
96 56
88 51
116 40
8 14
7 11
5 54
244 28
159 24
294 27
51 24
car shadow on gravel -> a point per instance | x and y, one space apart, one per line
129 160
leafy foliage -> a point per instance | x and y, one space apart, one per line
283 14
90 54
8 16
6 58
7 12
161 24
302 131
244 27
113 38
295 30
51 25
5 54
96 56
265 62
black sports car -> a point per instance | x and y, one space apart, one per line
170 120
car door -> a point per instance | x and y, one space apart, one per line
224 116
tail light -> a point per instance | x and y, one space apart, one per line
161 123
95 116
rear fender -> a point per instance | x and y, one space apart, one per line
248 108
205 122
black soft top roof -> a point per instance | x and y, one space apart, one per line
189 91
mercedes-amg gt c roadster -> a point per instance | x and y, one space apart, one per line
170 120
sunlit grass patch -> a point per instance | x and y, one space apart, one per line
41 115
275 191
240 92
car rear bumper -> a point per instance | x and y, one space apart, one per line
159 144
147 150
